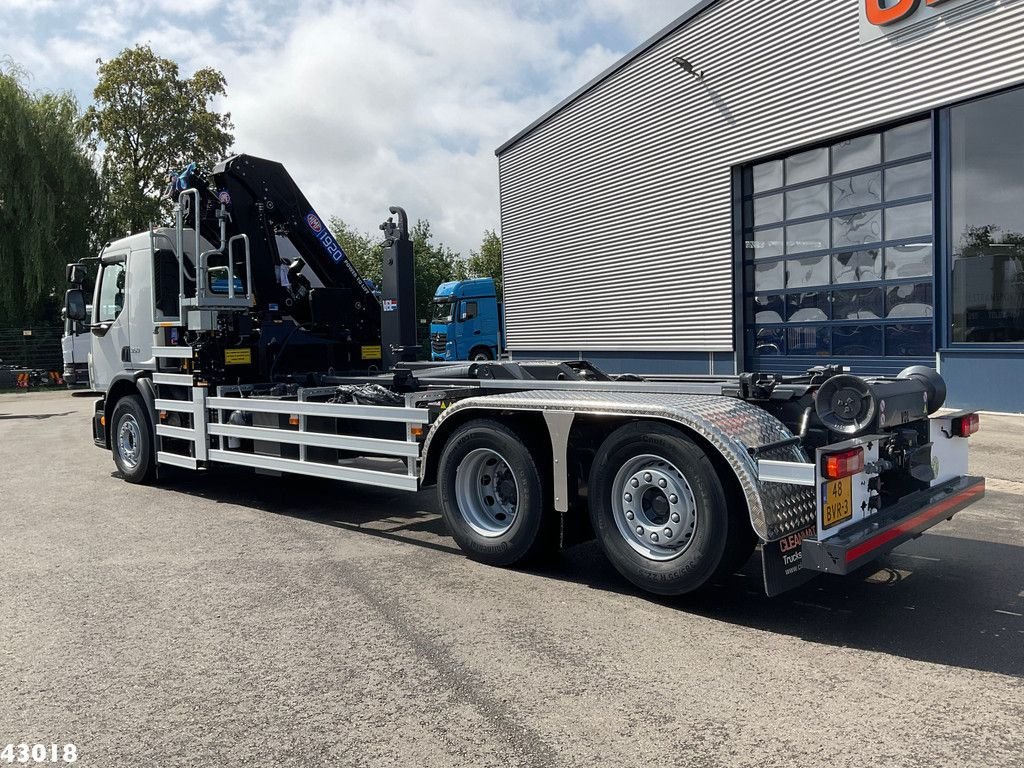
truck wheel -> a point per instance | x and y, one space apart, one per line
492 494
658 509
131 440
480 355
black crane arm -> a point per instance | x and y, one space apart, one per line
263 202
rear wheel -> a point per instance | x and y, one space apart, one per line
492 494
659 509
131 440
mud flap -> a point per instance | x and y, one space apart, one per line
782 563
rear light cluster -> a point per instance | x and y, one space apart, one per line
836 466
966 425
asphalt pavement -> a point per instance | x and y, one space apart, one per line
228 619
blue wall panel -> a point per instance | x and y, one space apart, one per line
990 381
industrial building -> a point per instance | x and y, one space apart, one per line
771 186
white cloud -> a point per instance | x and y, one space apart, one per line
366 103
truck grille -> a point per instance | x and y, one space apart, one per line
439 342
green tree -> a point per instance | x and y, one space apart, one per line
362 250
487 261
149 122
48 197
435 263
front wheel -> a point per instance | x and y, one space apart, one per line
492 494
658 509
481 355
132 441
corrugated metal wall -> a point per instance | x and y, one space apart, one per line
616 213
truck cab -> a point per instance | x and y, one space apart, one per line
467 321
74 345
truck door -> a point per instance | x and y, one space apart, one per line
111 347
469 329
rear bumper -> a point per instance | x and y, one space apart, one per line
876 536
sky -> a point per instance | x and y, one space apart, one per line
367 103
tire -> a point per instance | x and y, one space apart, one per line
131 440
480 355
508 526
659 509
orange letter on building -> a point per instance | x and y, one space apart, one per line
880 15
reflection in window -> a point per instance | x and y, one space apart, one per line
847 229
988 219
768 309
908 221
806 166
909 300
810 340
857 266
807 272
857 304
857 191
811 236
768 341
767 176
857 340
766 243
769 277
856 153
908 140
767 210
809 307
909 340
112 293
807 201
857 228
914 260
911 180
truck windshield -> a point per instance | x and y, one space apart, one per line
443 311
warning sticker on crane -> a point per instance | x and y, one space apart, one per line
238 356
371 353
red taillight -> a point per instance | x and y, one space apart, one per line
843 464
966 425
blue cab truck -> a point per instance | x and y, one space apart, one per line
467 321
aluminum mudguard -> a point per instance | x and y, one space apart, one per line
730 425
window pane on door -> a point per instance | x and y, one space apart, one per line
112 293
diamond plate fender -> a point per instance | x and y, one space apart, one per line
730 425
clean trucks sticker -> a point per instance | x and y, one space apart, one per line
329 243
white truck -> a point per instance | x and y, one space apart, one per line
75 344
211 349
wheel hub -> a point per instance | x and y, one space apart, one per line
129 441
486 492
654 507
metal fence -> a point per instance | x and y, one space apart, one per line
35 348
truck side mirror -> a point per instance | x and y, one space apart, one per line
76 274
74 304
463 317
